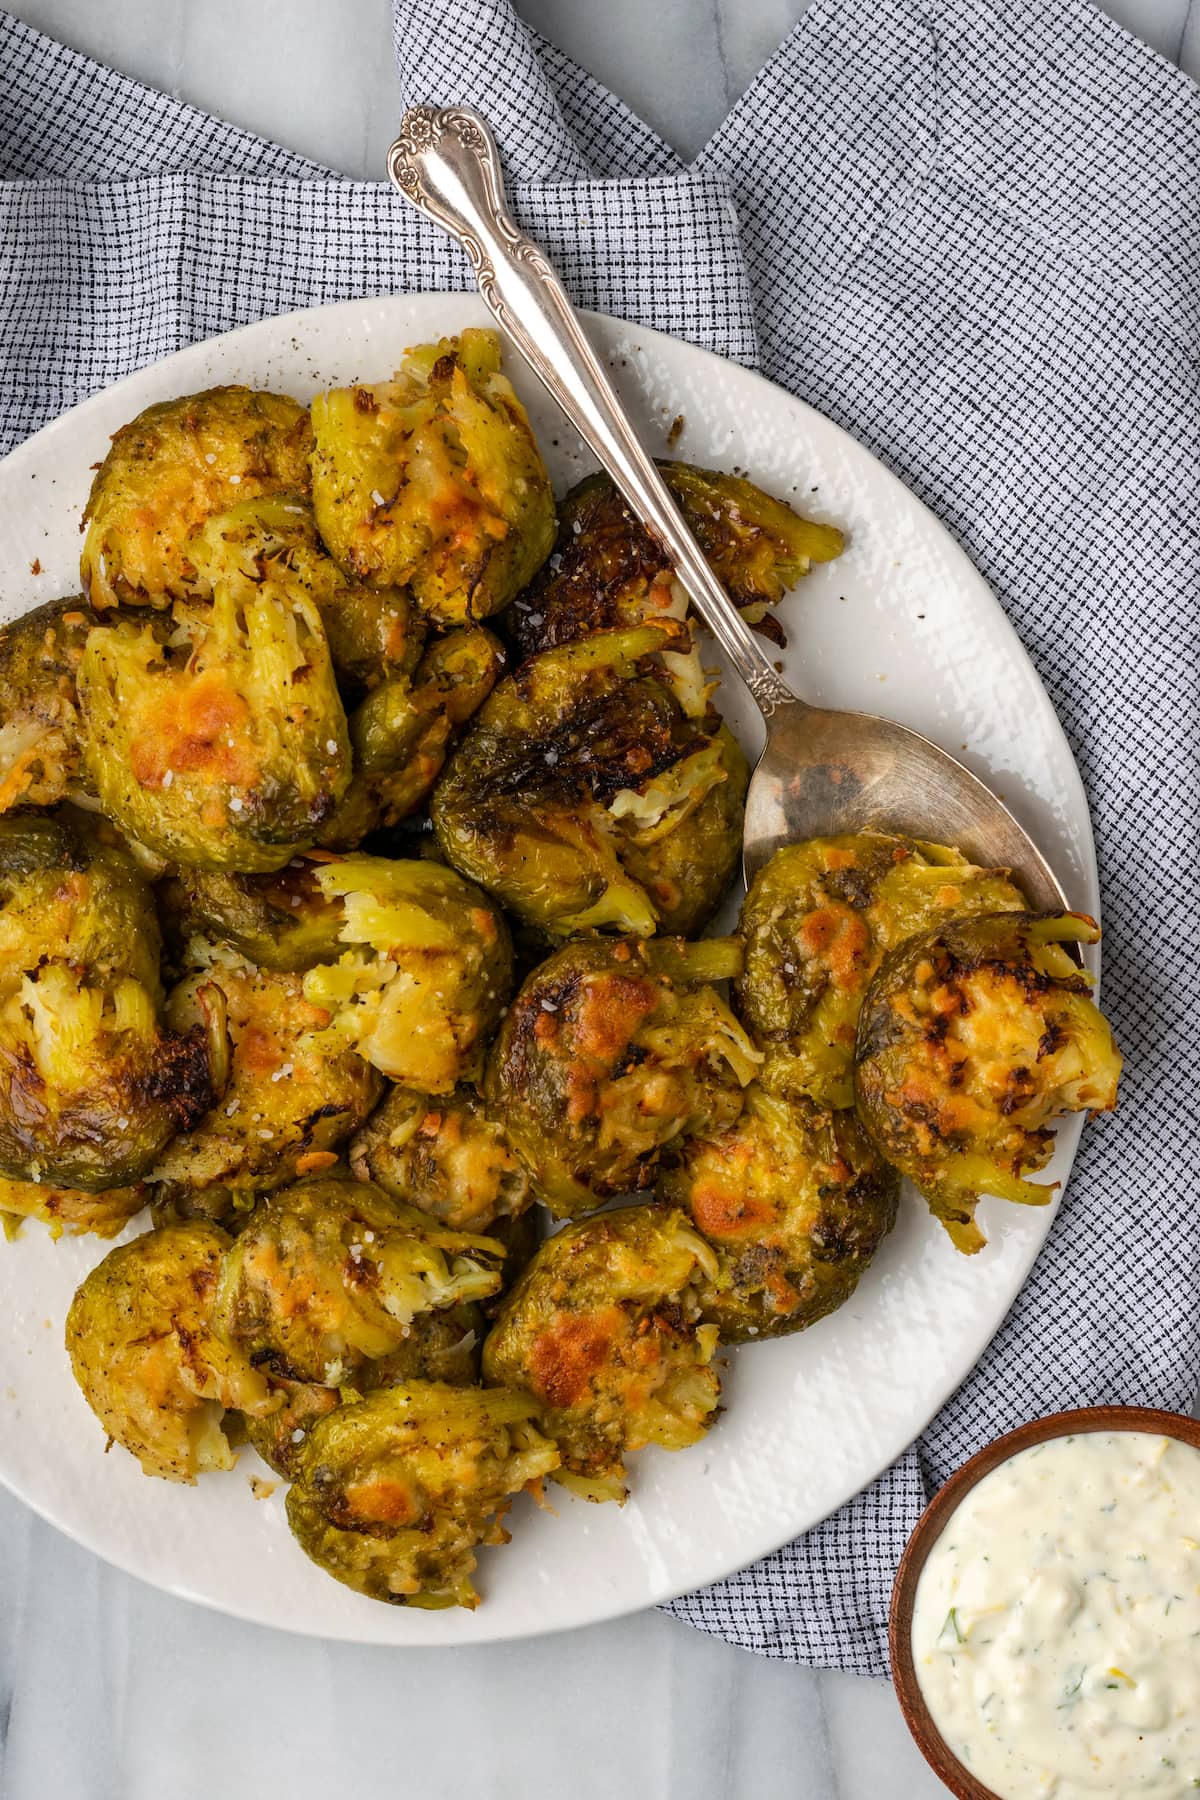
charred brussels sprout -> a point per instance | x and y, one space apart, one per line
611 1052
604 1329
223 745
41 734
427 974
583 797
374 633
449 1157
168 472
281 1437
607 571
71 1209
795 1202
397 1492
817 922
329 1274
401 731
280 920
432 481
92 1088
292 1096
141 1343
973 1037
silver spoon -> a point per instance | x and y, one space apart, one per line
821 771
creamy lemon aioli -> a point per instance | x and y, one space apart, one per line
1056 1627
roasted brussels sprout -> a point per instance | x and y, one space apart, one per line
440 1346
398 1491
71 1209
330 1273
374 634
41 735
608 571
611 1052
92 1088
280 920
432 481
171 469
973 1037
225 745
582 796
427 975
292 1096
817 921
795 1202
604 1329
401 731
449 1157
141 1343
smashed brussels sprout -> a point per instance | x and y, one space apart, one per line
817 922
433 481
70 1209
794 1201
612 1051
140 1339
397 1492
292 1095
449 1157
427 974
604 1329
168 472
608 571
280 920
973 1037
583 797
440 1346
41 734
401 732
92 1088
331 1273
224 744
373 633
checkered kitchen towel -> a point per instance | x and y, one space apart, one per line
968 232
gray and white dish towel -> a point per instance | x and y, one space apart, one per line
965 230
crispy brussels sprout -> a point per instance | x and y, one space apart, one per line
608 571
611 1052
583 797
374 634
440 1346
398 1491
973 1037
224 745
92 1088
794 1201
604 1329
449 1157
330 1273
141 1343
168 472
280 920
41 735
292 1096
71 1209
400 733
433 481
427 974
818 920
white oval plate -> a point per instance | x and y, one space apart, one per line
901 624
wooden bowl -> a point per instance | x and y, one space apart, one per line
930 1526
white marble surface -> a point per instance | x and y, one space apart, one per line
109 1691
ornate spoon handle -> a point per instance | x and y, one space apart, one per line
446 163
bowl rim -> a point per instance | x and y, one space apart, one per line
929 1527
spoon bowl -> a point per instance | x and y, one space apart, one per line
821 771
